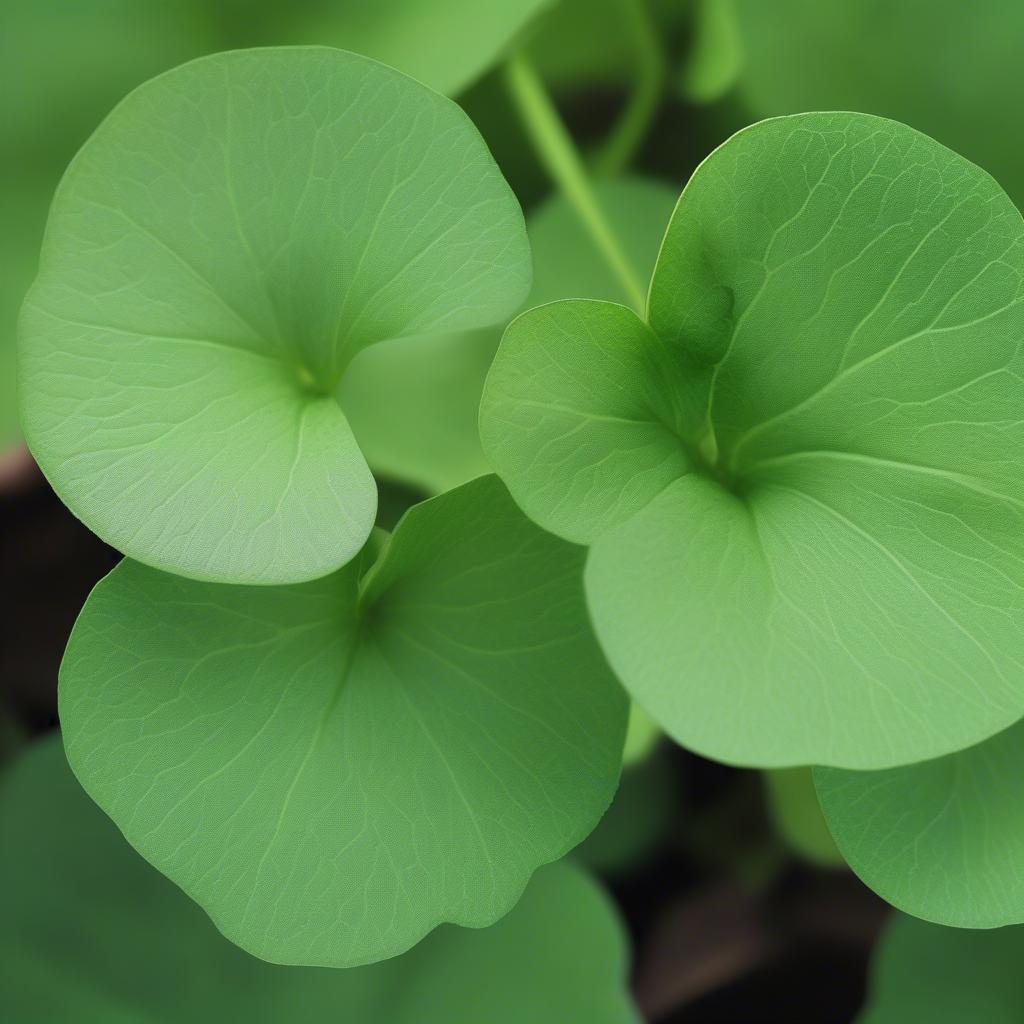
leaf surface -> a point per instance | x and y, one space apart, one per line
942 840
800 478
90 933
413 403
331 769
923 972
219 250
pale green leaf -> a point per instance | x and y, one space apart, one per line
925 974
219 250
89 933
413 403
801 479
574 414
333 768
943 839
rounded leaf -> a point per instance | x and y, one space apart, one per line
942 840
218 251
801 477
392 747
89 932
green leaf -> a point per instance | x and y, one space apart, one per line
924 974
66 62
950 68
206 279
566 264
90 933
446 44
943 839
801 479
413 403
715 56
588 44
95 51
794 808
392 747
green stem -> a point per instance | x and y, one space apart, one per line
632 125
560 157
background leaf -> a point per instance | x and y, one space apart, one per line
91 933
206 279
63 65
943 839
948 68
391 752
715 56
793 804
922 972
446 44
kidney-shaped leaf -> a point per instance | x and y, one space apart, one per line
333 768
89 932
943 839
924 974
218 251
802 479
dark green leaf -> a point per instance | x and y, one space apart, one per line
925 974
89 933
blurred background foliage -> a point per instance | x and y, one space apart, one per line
727 881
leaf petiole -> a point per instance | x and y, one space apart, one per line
562 161
630 129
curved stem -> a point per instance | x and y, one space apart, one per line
560 157
631 128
